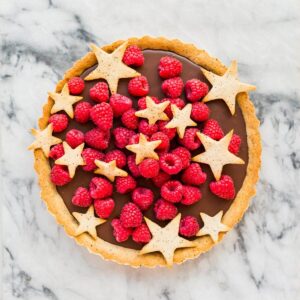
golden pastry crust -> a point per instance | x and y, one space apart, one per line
126 256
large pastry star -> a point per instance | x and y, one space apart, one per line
109 170
87 222
216 153
212 226
64 101
144 149
110 67
166 239
44 139
72 158
153 112
226 87
181 119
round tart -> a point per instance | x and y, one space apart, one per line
148 151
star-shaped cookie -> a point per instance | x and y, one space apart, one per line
166 239
44 139
110 67
109 170
212 226
87 222
64 101
226 87
216 153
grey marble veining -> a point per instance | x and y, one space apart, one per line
259 259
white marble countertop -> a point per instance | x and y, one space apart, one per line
259 259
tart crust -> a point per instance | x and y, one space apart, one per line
126 256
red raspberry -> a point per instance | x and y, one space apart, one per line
132 166
97 138
176 101
131 216
142 102
172 87
125 185
195 89
59 122
149 168
235 143
142 197
100 188
82 112
122 136
184 154
170 163
165 210
146 128
102 116
119 104
172 191
190 139
59 175
76 85
82 197
89 156
191 195
120 233
133 56
116 155
57 151
129 119
170 132
74 138
200 112
193 175
189 226
135 139
138 86
141 234
99 92
213 129
169 67
104 207
160 179
165 142
224 188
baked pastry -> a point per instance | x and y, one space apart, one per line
148 152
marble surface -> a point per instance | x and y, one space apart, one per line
259 259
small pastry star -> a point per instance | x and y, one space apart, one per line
110 67
87 222
72 158
166 239
181 119
109 170
144 149
226 87
64 101
216 153
212 226
153 112
44 139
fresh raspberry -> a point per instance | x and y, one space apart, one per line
213 129
184 154
102 116
170 132
169 67
76 85
142 197
122 136
193 175
190 139
176 101
82 112
191 195
138 86
57 151
97 138
100 188
129 119
146 128
133 56
99 92
172 87
142 102
170 163
74 137
131 216
104 207
172 191
120 233
142 234
125 185
82 197
195 89
235 143
189 226
59 122
200 112
59 175
224 188
119 104
89 156
160 179
132 166
165 142
165 210
149 168
135 139
116 155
